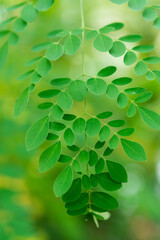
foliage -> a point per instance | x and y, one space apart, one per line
88 174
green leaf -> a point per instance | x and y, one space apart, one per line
56 126
107 71
76 166
45 105
54 52
74 192
37 133
114 142
104 133
77 31
19 25
35 77
119 1
79 126
133 150
83 157
118 49
29 13
104 115
64 33
42 5
152 119
93 127
69 117
94 180
96 86
131 38
53 34
63 182
122 81
135 90
60 81
64 159
86 182
106 29
129 58
91 34
41 46
73 148
77 89
140 68
143 48
93 158
72 45
21 102
65 101
107 151
99 145
117 26
44 67
81 211
107 183
112 91
144 97
126 132
157 74
49 93
104 201
32 61
49 157
3 54
122 100
150 14
25 75
152 60
150 76
116 123
69 137
99 165
13 39
52 137
137 5
16 6
156 23
132 110
3 33
117 172
103 43
79 203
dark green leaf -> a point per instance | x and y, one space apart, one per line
93 127
99 145
116 123
64 159
45 105
86 182
93 158
79 203
94 180
131 38
107 71
117 172
49 93
104 115
122 81
74 192
3 54
60 81
83 157
99 165
79 126
122 100
69 117
104 201
69 137
107 183
52 137
56 126
107 151
157 23
126 132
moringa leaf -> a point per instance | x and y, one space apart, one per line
74 192
65 101
103 43
96 86
104 201
49 93
37 133
72 45
129 58
54 52
117 172
29 13
107 71
118 49
44 67
107 183
42 5
21 102
152 119
79 126
92 127
137 5
69 137
77 89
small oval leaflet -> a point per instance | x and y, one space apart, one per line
104 133
133 150
44 67
42 5
150 14
131 38
37 133
129 58
99 165
104 201
41 46
45 105
122 81
83 157
104 115
77 89
63 182
144 97
112 91
107 183
96 86
74 192
122 100
54 52
49 93
29 13
72 44
86 182
117 172
21 102
143 48
49 157
152 119
118 49
132 110
116 123
79 126
137 5
107 71
114 142
93 127
140 68
65 101
126 132
93 158
103 43
69 137
60 81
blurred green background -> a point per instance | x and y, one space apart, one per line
28 207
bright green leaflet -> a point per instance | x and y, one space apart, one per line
76 166
29 13
37 133
49 157
74 192
132 110
93 127
157 23
107 71
107 183
3 54
103 43
134 150
131 38
118 49
104 133
84 157
129 58
117 172
114 142
137 5
65 101
143 48
86 182
77 89
42 5
63 182
122 81
144 97
150 14
44 67
140 68
72 44
96 86
69 137
151 118
122 100
104 201
112 91
79 126
19 25
57 112
54 52
41 46
21 102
